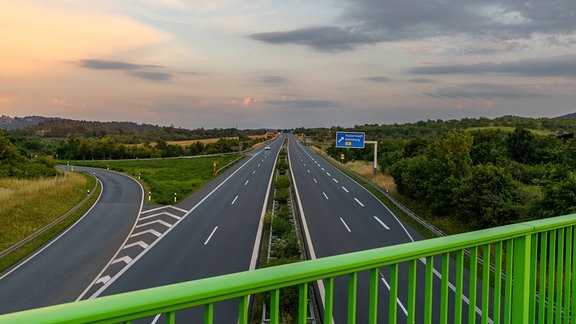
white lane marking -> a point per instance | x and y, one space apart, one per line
139 243
259 164
381 222
323 169
245 183
346 225
314 180
359 202
344 188
397 299
163 207
211 234
304 164
328 174
125 259
127 267
160 214
159 221
151 231
308 171
453 288
335 180
325 195
253 171
103 280
233 201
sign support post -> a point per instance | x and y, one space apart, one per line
356 140
375 155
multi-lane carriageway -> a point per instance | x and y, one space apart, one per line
124 245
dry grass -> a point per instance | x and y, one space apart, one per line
29 205
366 170
203 141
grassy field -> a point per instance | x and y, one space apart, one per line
29 205
510 129
164 177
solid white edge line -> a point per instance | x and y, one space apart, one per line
311 251
257 241
122 245
478 310
54 240
121 272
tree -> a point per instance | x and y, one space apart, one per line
487 198
521 146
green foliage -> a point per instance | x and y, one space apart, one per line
520 145
560 197
282 182
287 246
282 226
15 165
164 177
482 178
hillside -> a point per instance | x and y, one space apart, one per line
9 123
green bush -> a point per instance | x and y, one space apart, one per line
282 196
281 226
287 246
282 182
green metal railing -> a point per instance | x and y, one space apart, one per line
533 279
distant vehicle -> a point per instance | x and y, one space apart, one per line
267 148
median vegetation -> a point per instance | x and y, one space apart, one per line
281 244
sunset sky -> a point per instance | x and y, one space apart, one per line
286 63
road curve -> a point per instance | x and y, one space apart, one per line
60 271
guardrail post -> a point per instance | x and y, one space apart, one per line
521 280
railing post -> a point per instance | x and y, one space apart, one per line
521 279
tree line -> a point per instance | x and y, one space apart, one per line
483 177
14 164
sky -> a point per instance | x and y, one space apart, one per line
286 63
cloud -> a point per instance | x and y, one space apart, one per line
111 65
373 21
421 80
133 69
37 37
378 79
273 79
487 91
548 66
246 101
323 38
291 102
154 76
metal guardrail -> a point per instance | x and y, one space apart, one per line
537 256
49 226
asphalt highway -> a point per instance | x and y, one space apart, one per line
218 232
62 269
341 216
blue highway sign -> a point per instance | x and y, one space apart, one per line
350 139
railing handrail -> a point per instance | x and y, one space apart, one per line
168 298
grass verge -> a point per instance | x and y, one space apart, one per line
164 177
29 205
